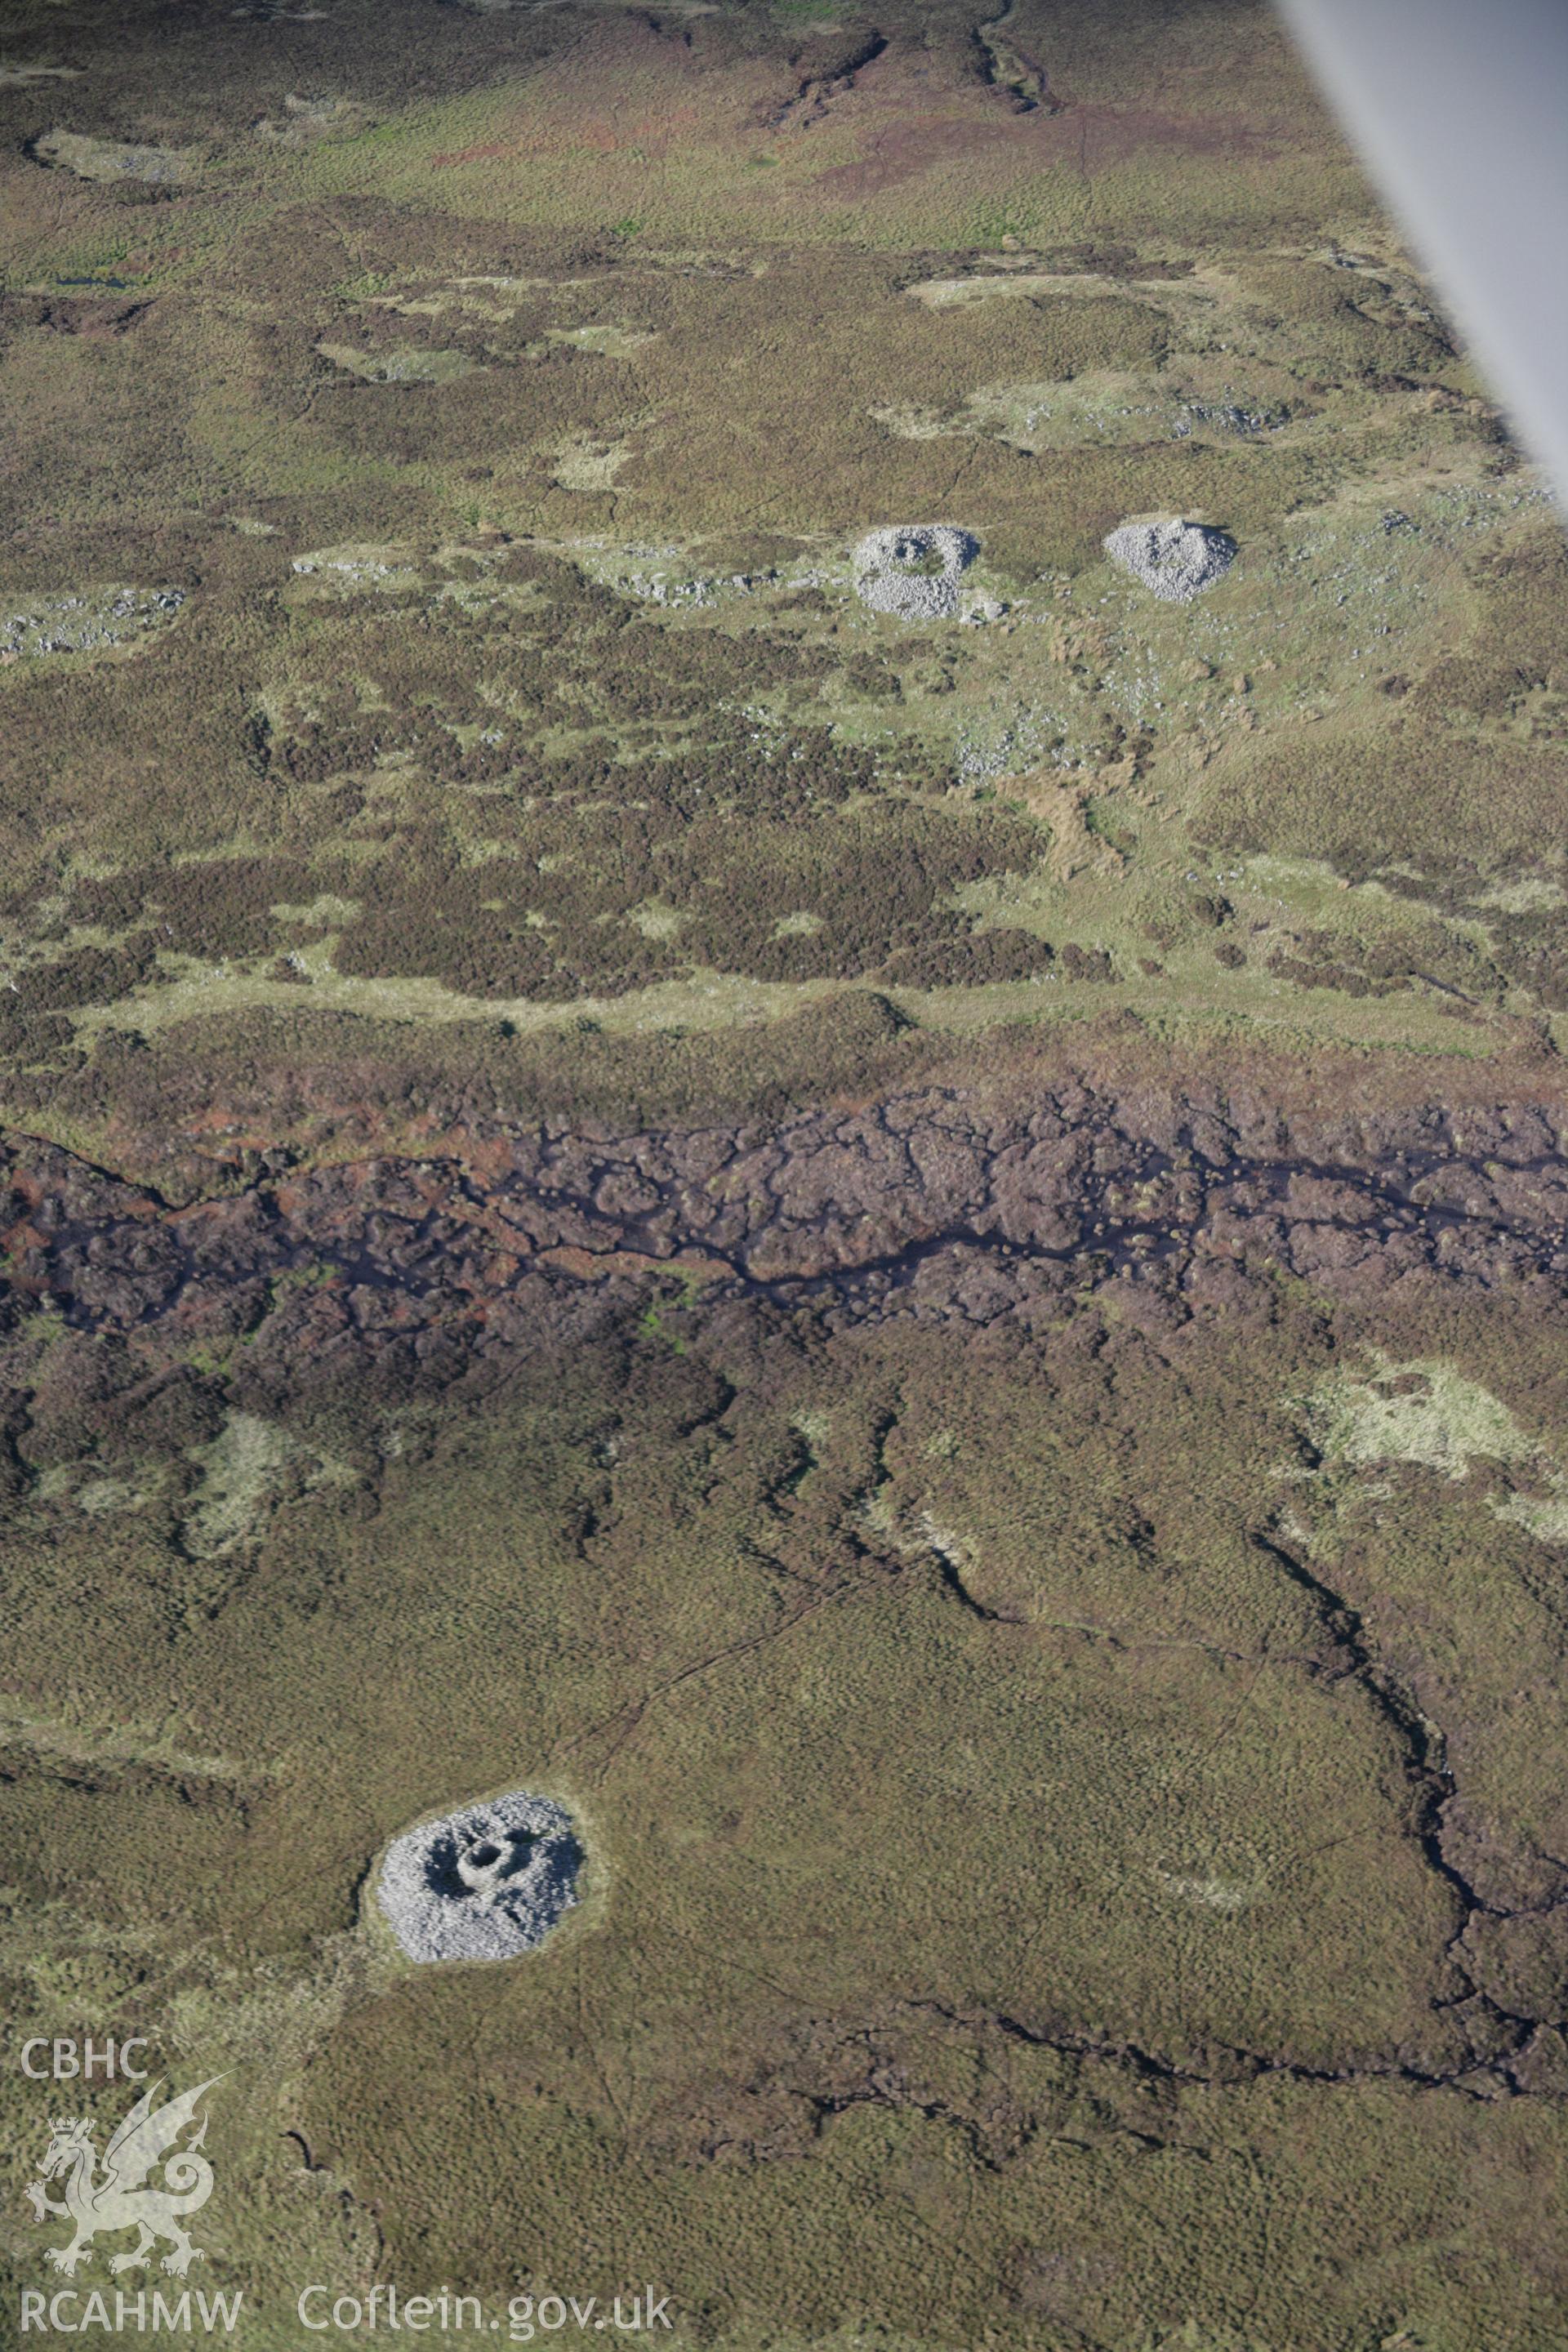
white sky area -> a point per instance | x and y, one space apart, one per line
1459 111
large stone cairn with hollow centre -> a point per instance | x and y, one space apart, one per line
1177 560
913 570
482 1884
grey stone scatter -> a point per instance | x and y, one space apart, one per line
1225 417
1177 560
484 1884
70 624
913 570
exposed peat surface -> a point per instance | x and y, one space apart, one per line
931 1204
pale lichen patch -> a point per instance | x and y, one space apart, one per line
306 119
1214 1894
1422 1411
107 161
584 462
247 1470
17 77
1425 1412
608 340
1543 1516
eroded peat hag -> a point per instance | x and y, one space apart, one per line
933 1203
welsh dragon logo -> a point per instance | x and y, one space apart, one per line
101 2201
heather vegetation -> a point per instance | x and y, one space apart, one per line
510 610
901 1243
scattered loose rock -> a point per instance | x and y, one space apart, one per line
485 1884
1177 560
87 622
913 570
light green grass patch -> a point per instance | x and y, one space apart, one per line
20 76
325 908
610 340
107 161
400 367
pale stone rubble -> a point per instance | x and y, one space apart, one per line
1177 560
485 1884
913 570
